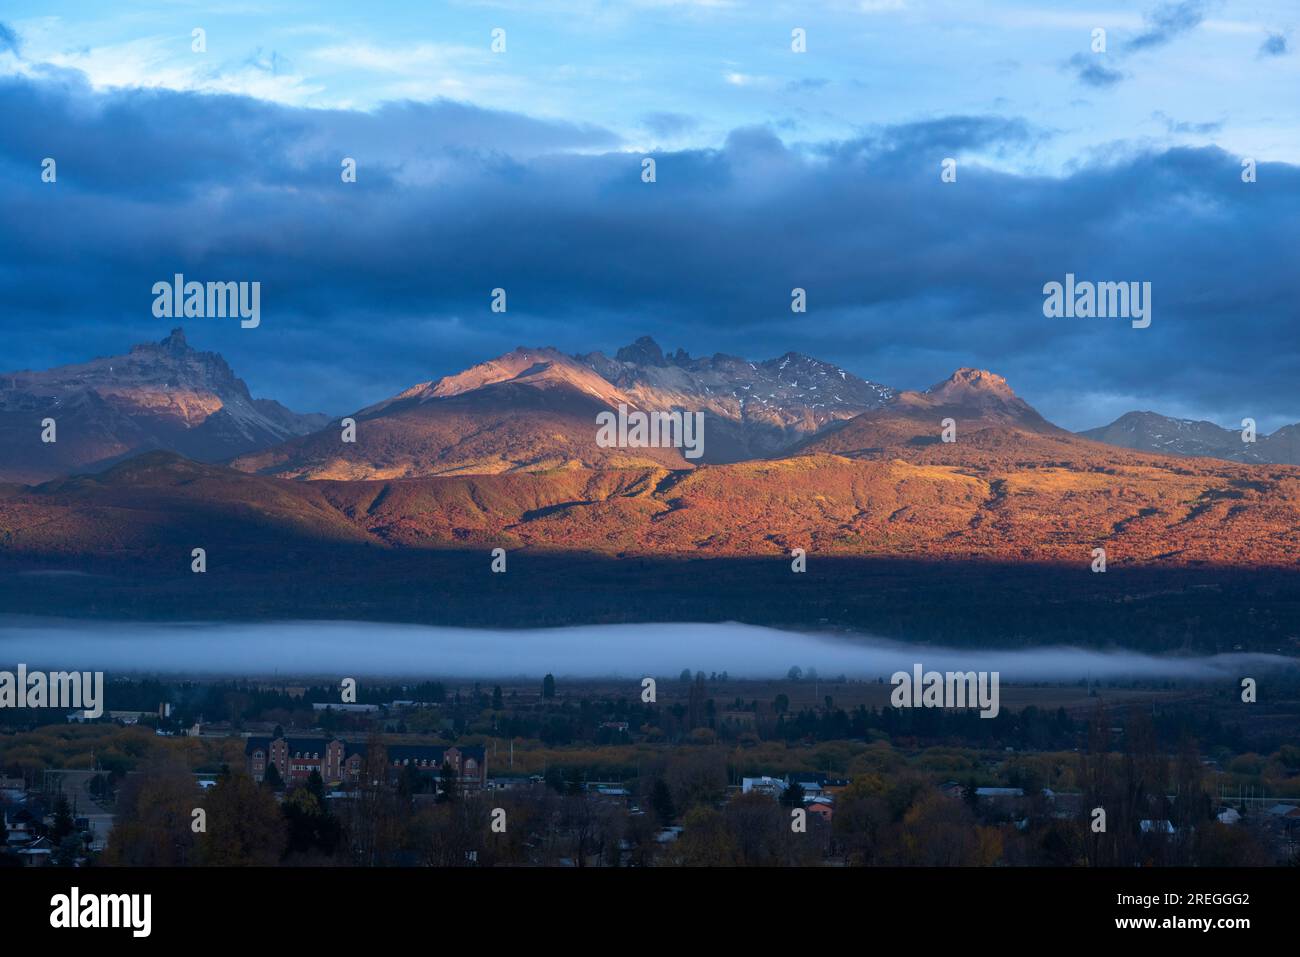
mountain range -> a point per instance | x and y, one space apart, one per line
1153 432
799 453
989 539
163 395
535 410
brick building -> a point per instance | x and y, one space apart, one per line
341 762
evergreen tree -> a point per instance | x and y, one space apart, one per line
447 784
316 785
661 799
272 777
63 824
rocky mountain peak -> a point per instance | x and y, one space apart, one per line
967 381
644 352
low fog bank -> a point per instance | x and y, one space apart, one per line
345 648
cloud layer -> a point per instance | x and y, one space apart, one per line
371 286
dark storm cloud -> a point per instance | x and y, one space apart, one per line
8 39
1274 44
1183 126
1092 72
1163 24
1168 21
373 286
668 124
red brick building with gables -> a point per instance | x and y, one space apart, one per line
340 762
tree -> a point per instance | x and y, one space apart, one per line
548 686
411 782
447 784
792 796
154 813
70 848
316 786
661 800
312 829
372 815
781 703
244 826
761 832
63 824
100 787
575 784
452 835
937 831
695 703
862 814
795 673
497 703
706 840
271 778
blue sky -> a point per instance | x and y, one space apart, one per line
521 169
684 73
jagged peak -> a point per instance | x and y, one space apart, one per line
798 358
967 380
174 342
644 351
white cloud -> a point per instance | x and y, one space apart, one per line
414 60
163 62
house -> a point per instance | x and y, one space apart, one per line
1228 815
212 729
1285 811
35 854
338 761
1156 827
331 706
13 790
773 787
607 789
996 793
470 764
822 808
669 834
818 785
23 827
746 720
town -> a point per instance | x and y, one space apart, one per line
805 770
